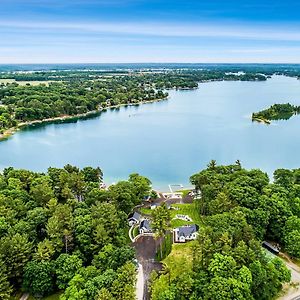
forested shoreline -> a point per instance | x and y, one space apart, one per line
77 93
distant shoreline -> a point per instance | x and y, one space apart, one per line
11 131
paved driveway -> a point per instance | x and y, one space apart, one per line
145 248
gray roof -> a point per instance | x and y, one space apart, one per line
145 224
136 216
187 230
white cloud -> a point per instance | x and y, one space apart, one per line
237 31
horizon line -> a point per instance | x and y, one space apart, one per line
161 63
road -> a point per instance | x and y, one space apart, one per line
292 292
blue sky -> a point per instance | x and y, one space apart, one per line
69 31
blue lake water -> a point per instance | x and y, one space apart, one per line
170 140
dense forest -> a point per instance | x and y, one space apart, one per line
71 93
239 209
277 112
60 232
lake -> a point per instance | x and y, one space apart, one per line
170 140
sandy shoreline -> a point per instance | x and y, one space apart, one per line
259 120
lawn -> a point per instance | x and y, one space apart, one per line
178 223
184 192
183 209
180 258
189 210
146 211
135 231
166 247
23 83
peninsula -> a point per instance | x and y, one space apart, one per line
28 98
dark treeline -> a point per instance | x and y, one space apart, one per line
277 112
239 209
60 231
177 78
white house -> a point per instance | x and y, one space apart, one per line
185 233
134 219
145 227
153 206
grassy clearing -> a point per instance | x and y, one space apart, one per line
135 231
146 211
23 83
177 223
180 259
5 81
183 209
184 192
166 247
189 210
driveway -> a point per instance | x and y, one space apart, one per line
145 247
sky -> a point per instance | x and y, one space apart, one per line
114 31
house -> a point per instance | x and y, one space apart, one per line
147 198
134 219
153 206
185 233
145 227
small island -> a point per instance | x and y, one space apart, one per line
276 112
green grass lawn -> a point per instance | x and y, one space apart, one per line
25 82
135 231
186 209
180 258
166 247
183 209
146 211
184 192
178 223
